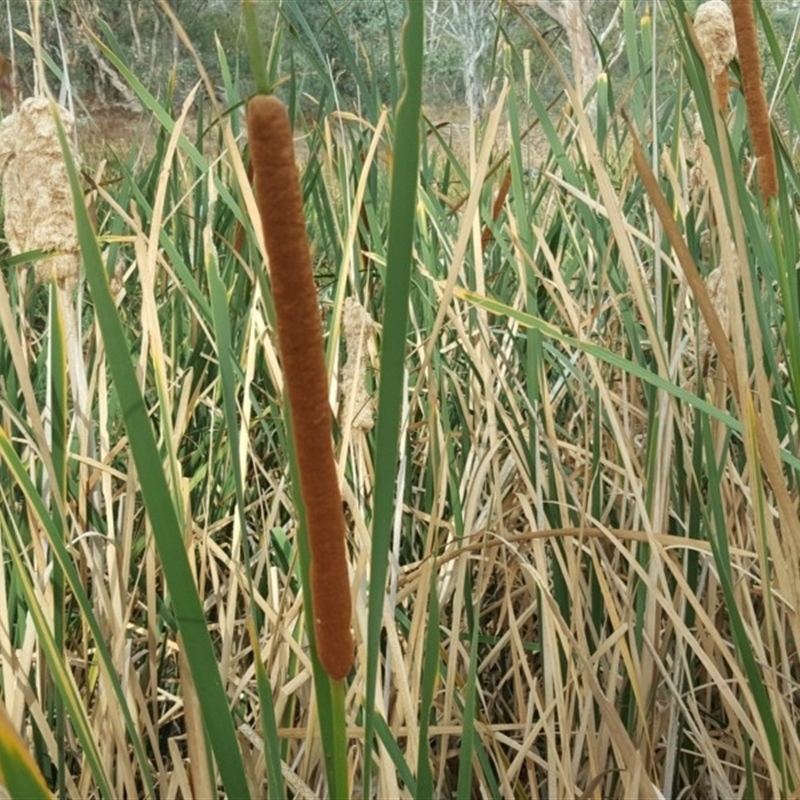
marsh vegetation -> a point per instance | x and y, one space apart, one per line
565 429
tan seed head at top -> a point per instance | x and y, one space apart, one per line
713 24
38 202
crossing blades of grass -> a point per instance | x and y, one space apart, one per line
161 508
226 357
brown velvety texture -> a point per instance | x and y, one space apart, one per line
744 23
301 349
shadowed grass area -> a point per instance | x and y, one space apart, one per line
573 535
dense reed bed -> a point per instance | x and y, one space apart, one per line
573 539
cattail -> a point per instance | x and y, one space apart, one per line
301 350
357 325
713 25
38 202
744 23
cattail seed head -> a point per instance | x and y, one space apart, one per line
302 357
755 97
713 24
38 203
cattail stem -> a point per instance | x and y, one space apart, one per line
301 349
744 23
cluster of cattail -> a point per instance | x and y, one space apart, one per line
301 350
38 202
359 405
721 32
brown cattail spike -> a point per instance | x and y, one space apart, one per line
744 23
301 350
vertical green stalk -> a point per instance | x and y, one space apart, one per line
257 62
393 349
468 730
787 280
59 448
430 672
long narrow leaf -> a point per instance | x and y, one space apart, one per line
398 279
160 507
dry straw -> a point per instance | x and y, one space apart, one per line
301 349
755 97
38 204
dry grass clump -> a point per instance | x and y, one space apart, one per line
38 204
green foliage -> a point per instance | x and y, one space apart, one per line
146 39
574 533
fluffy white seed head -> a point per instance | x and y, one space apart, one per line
36 192
713 24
